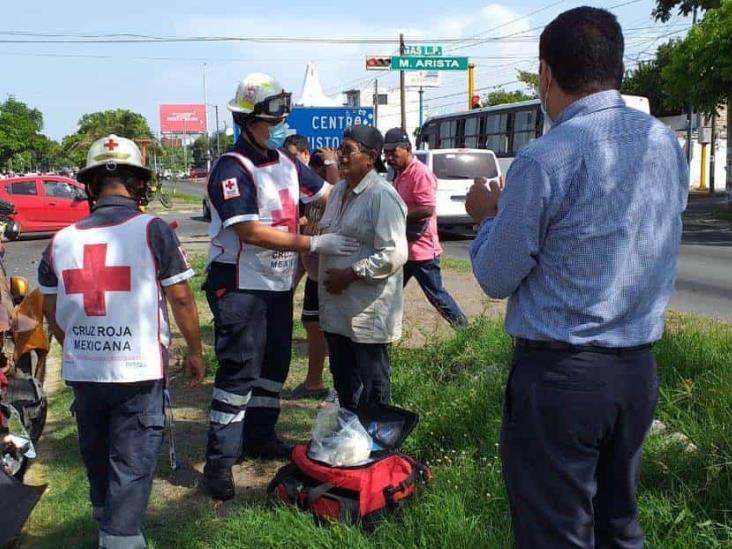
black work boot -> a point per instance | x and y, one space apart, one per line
219 484
270 448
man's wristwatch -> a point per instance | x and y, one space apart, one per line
329 162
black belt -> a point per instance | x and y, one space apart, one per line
562 346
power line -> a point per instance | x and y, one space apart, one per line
503 25
51 38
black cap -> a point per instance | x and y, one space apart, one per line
395 137
369 138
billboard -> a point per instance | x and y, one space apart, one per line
323 126
183 119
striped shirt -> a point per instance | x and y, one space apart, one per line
588 229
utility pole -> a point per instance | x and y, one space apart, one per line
421 105
690 112
402 86
218 141
376 102
471 84
713 139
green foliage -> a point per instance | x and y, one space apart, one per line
647 80
457 386
531 79
93 126
199 151
700 69
20 133
501 97
664 8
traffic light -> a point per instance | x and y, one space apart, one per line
475 102
378 63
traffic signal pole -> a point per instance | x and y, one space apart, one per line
471 84
402 86
376 103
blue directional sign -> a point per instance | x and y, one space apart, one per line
323 126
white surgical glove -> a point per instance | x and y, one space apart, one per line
333 244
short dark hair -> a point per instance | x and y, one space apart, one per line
300 142
584 49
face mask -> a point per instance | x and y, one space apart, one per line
277 135
544 109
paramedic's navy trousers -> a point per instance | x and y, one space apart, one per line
253 340
120 433
573 427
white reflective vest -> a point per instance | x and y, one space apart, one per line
109 303
278 187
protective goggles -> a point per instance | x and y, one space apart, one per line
274 106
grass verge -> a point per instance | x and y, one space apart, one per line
456 385
722 214
455 265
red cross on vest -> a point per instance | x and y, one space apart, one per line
111 144
230 184
287 215
95 279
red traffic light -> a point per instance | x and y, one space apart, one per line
475 102
378 62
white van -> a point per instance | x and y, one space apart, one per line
455 170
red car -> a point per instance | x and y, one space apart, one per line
45 203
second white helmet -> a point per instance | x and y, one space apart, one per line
110 152
261 96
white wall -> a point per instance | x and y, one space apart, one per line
695 166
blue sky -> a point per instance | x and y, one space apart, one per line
65 81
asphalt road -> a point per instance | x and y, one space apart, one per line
703 286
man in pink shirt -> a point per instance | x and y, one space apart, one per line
417 186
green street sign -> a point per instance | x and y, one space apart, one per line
423 51
429 63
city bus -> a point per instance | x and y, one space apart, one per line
504 129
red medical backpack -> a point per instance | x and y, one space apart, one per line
358 494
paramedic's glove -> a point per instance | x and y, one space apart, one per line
333 244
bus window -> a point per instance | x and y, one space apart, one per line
525 127
496 129
447 134
471 126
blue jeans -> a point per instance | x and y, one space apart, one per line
429 277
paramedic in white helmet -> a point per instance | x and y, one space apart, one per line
107 282
254 191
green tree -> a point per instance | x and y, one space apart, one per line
501 97
646 80
20 134
664 8
700 69
531 79
199 151
121 122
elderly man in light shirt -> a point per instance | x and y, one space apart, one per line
360 295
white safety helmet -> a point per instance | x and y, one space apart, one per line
261 96
109 153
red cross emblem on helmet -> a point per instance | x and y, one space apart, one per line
111 144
